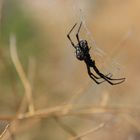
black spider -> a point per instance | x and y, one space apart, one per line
82 54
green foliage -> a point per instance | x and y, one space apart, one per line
15 21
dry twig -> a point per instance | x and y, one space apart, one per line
21 73
88 132
5 130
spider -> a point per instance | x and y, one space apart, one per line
82 54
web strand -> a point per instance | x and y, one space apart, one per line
79 12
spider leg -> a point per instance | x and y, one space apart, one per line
121 80
108 79
68 35
77 35
92 76
96 77
109 75
114 78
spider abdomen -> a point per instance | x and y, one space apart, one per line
84 45
79 54
82 50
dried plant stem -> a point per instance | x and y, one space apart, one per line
133 122
75 96
104 99
88 132
5 130
66 127
59 111
21 73
31 75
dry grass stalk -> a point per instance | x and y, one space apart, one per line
104 99
75 97
62 110
5 130
21 73
59 112
131 121
31 74
66 127
88 132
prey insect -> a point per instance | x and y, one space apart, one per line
82 54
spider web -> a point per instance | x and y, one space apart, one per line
79 7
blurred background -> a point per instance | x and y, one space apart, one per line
112 28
